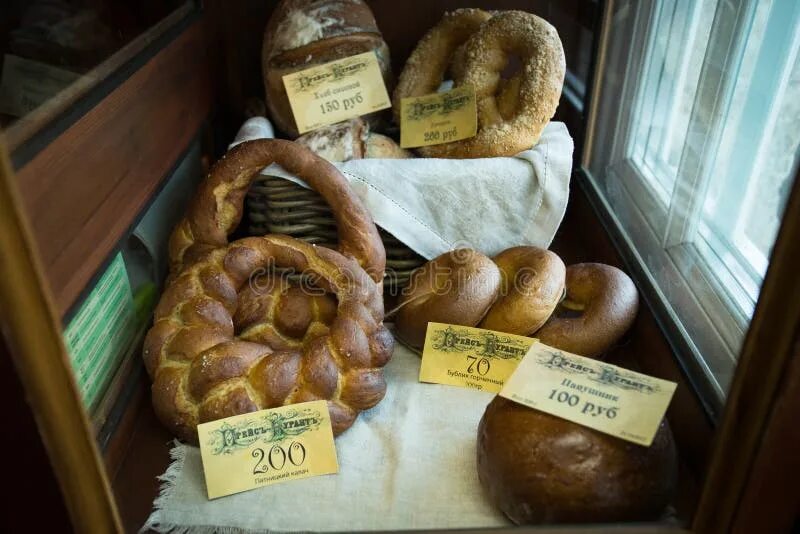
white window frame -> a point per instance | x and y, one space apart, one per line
692 287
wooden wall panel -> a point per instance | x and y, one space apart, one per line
84 190
30 338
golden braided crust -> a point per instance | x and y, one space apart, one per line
217 207
224 344
426 66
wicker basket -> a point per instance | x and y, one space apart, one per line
278 206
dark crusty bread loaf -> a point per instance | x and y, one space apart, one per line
351 139
538 468
304 33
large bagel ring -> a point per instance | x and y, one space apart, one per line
437 51
217 207
206 354
511 113
533 284
606 302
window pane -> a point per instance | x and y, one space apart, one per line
669 81
754 165
700 103
53 51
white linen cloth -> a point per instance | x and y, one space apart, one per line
408 463
436 205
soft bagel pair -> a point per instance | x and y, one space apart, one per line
517 292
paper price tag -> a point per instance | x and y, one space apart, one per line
598 395
267 447
470 357
336 91
438 118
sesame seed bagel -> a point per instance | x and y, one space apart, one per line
511 112
425 68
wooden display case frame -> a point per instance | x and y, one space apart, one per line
73 199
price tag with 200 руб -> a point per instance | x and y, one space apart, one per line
256 449
438 118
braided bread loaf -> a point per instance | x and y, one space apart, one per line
224 343
217 207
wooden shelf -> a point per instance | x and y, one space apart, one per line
139 462
85 190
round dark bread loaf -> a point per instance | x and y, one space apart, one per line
538 468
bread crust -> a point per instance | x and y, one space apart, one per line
217 207
457 287
608 303
538 468
517 292
434 54
348 140
533 284
224 343
511 113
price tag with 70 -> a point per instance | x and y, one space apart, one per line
470 357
